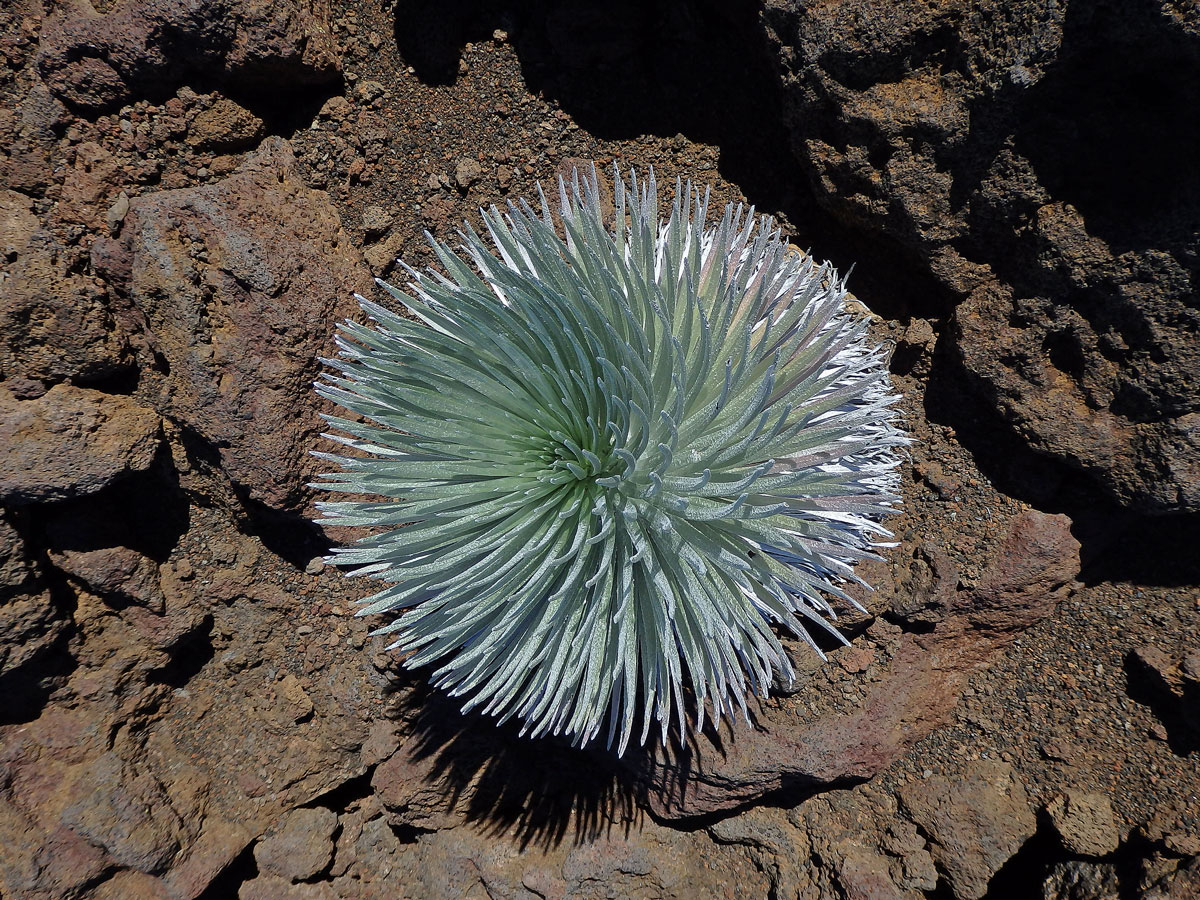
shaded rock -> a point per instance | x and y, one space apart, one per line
925 674
1085 823
298 846
241 283
1181 883
1078 880
224 126
114 570
71 442
1174 828
976 822
95 61
968 134
17 573
55 323
1169 681
466 172
410 788
31 626
218 844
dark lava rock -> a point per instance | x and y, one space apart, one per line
1038 159
96 61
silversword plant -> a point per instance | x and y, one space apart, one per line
612 462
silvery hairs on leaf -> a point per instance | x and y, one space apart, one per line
610 463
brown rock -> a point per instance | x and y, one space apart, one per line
29 132
1085 823
225 126
30 626
219 843
129 885
55 324
466 172
125 812
17 224
410 788
90 186
241 283
1034 567
19 871
298 846
71 442
272 887
94 61
1078 879
114 570
1170 681
975 821
1070 275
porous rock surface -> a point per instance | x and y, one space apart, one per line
235 317
94 59
190 192
71 442
1036 159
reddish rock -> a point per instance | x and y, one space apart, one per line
71 442
55 323
125 812
241 284
976 822
94 61
299 845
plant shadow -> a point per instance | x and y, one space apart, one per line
540 790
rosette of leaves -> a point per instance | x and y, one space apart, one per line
611 461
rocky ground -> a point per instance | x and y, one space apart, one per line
192 190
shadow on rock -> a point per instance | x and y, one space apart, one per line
1117 544
1170 685
452 767
701 71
